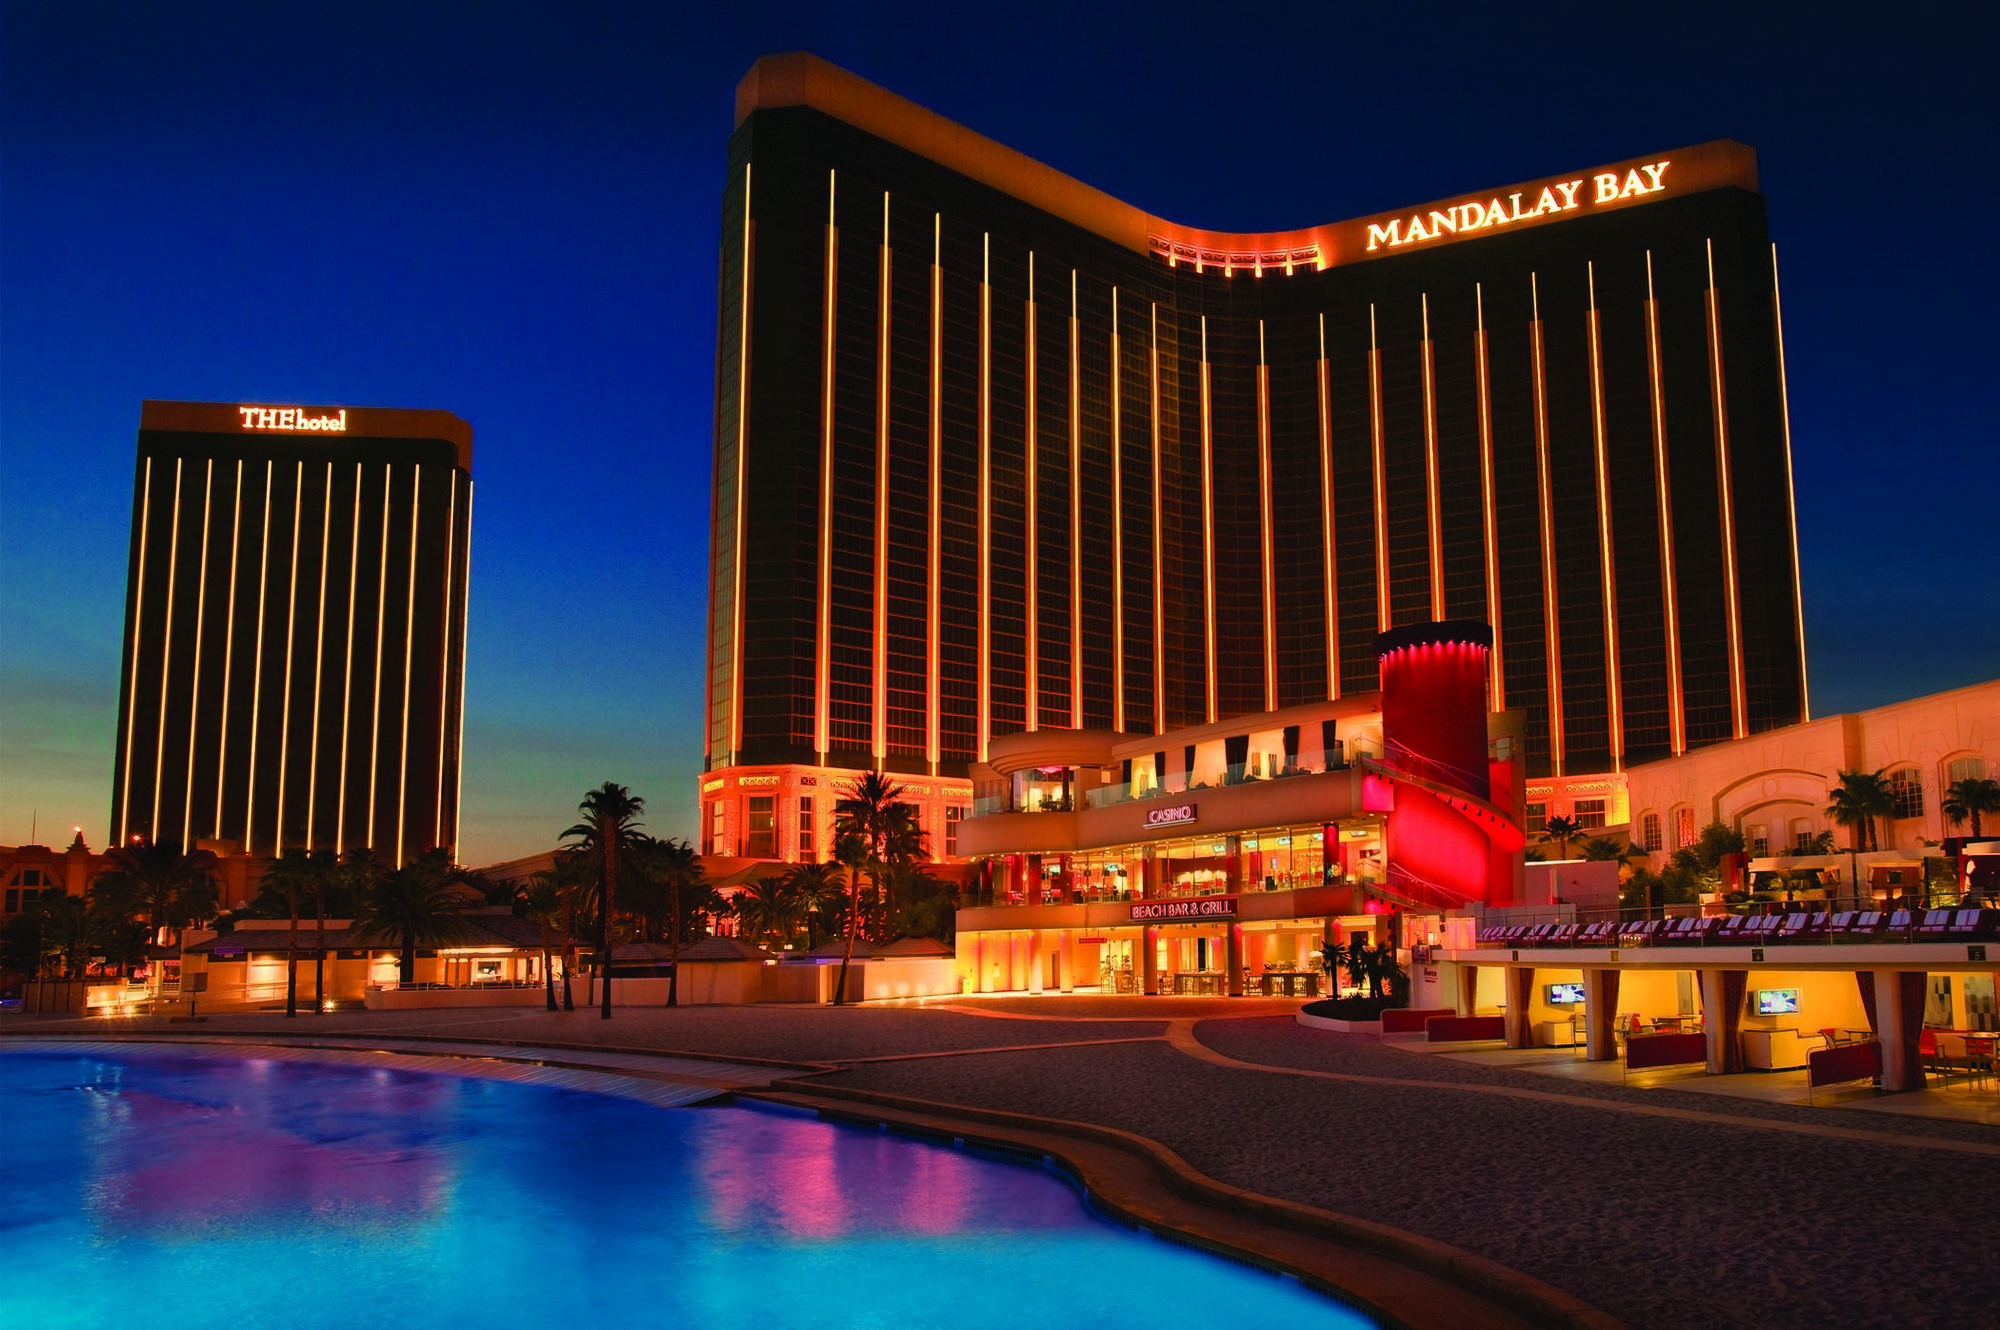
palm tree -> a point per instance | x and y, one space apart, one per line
604 837
540 899
115 899
419 904
812 887
862 824
1965 800
292 876
674 864
767 905
175 888
1855 802
71 930
1599 849
1561 831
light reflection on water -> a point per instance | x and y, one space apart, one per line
347 1194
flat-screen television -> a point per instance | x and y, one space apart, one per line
1777 1001
1565 995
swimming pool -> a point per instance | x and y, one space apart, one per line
154 1182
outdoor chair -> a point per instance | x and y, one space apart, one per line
1730 929
1936 925
1900 924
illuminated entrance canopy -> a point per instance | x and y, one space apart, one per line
293 419
1198 907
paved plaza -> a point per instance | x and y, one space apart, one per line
1658 1204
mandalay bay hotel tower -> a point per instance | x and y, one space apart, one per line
996 452
295 629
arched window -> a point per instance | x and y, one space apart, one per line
1650 833
1906 793
1684 829
1757 839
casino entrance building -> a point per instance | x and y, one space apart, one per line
1221 858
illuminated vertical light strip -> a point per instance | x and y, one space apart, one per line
1791 493
347 688
166 656
1117 530
1606 563
138 615
1499 682
381 635
1433 510
291 632
1676 711
257 664
228 647
742 475
936 491
1159 545
1207 528
879 726
200 621
1552 637
319 664
1266 556
1738 704
409 656
1075 513
823 652
444 650
1326 518
1033 506
1381 479
985 494
464 631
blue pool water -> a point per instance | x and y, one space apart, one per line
145 1183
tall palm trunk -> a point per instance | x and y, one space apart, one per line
292 962
548 974
569 952
610 852
853 923
674 924
319 950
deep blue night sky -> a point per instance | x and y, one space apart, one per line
511 212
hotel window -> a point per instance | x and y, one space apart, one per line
1757 840
808 840
716 843
1964 768
1538 817
953 815
13 900
1802 835
1589 813
1906 792
760 840
1649 833
1684 833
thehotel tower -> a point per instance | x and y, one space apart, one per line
995 452
295 629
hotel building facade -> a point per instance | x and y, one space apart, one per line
295 620
996 454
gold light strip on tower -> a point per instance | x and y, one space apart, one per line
1381 479
1266 557
409 653
985 735
132 679
1031 508
319 665
1676 709
1159 547
166 656
879 714
1117 530
347 688
1075 515
257 664
823 645
464 632
291 632
444 647
1738 703
934 619
1207 528
1498 675
742 475
1606 563
381 635
200 622
228 649
1551 629
1791 494
1329 585
1433 507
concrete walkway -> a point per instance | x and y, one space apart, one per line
1652 1203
